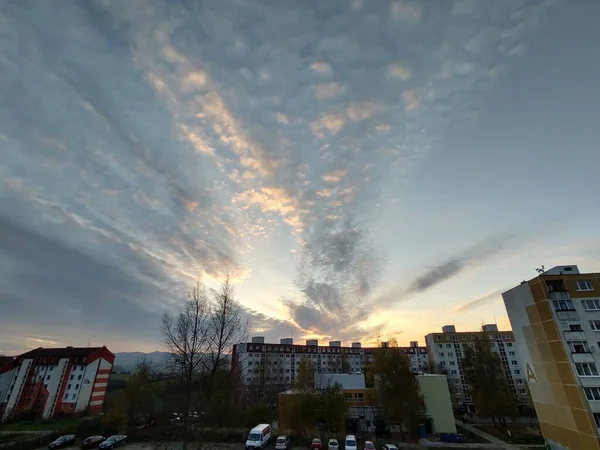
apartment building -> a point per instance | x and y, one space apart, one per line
265 369
556 321
446 351
47 382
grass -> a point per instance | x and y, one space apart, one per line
470 436
520 434
63 425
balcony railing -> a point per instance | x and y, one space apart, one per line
567 315
559 295
575 336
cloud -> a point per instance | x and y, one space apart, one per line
322 67
481 301
325 91
189 135
399 71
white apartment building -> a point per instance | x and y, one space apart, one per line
556 321
47 382
272 367
446 350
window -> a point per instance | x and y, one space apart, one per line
76 386
509 344
69 386
448 345
595 325
575 327
563 305
586 369
597 419
579 347
454 372
440 345
513 362
66 397
591 305
521 391
452 363
73 396
592 393
47 377
442 354
450 354
360 397
443 363
584 285
517 372
71 377
511 353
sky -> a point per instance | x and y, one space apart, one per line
360 169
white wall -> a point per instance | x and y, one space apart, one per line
22 373
85 390
54 385
5 382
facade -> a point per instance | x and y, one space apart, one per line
49 382
556 322
446 350
266 369
363 407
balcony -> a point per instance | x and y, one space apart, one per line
559 295
575 336
567 315
582 357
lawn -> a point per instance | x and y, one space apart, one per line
64 425
519 434
470 436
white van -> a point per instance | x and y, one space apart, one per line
258 437
350 443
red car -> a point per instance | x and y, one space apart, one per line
316 444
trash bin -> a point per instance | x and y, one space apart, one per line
422 431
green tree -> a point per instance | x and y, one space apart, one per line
345 364
333 407
398 390
489 388
305 375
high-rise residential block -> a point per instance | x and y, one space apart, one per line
556 322
446 351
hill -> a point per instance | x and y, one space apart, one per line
126 361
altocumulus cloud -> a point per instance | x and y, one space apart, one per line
148 144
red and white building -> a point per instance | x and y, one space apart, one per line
48 382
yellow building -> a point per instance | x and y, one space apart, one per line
555 318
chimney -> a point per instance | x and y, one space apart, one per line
258 340
312 342
286 341
356 345
335 343
414 344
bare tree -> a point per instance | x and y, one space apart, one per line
200 340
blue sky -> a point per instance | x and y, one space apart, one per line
358 168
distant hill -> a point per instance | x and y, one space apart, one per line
126 361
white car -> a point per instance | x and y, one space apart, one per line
282 443
333 444
350 442
369 445
390 447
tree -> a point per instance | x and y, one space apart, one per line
333 407
137 399
487 382
199 340
397 387
305 375
345 364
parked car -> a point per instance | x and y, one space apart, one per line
258 437
350 443
63 441
316 444
452 437
113 442
282 443
92 441
369 445
390 447
333 444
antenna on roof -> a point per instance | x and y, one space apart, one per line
541 270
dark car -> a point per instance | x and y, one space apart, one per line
92 441
113 442
63 441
